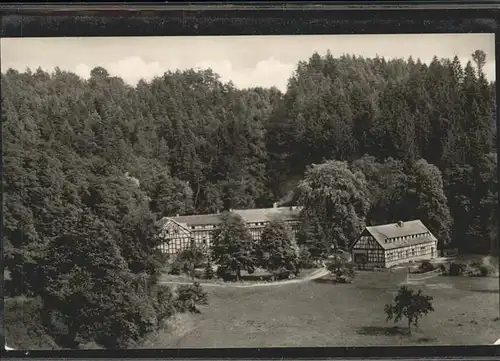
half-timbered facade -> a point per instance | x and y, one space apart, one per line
389 245
179 232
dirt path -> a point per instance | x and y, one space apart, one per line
314 275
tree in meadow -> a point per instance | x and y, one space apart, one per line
410 305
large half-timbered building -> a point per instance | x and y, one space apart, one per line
389 245
179 232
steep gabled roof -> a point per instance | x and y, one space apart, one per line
384 232
162 222
248 215
197 219
267 214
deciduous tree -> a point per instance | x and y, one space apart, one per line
232 246
410 305
337 198
275 250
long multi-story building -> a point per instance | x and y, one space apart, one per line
179 232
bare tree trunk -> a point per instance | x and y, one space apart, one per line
409 326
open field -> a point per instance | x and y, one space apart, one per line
319 313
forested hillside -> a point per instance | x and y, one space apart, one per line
91 164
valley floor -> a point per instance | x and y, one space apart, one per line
321 313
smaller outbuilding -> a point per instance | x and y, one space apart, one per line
389 245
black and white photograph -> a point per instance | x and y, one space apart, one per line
249 191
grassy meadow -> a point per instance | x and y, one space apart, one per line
321 313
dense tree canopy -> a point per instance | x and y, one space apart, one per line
391 139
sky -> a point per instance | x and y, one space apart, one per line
245 60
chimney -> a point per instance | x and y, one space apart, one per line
275 205
400 224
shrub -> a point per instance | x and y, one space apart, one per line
426 266
477 269
342 271
224 273
282 273
456 269
188 260
163 303
484 271
209 272
189 297
175 268
305 258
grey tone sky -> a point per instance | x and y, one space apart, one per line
246 60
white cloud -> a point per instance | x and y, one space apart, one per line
266 73
82 70
131 69
134 69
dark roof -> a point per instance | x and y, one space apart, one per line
384 232
248 215
197 219
267 214
408 242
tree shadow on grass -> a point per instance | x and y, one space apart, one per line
486 291
324 280
330 281
425 339
382 331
